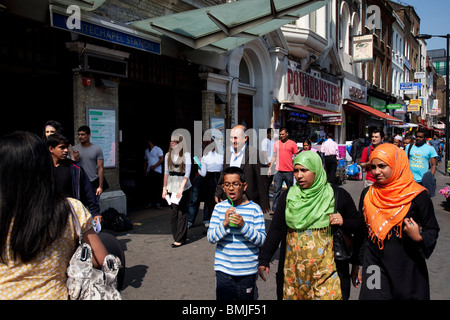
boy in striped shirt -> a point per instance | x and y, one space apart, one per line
237 226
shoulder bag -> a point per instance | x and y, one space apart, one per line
84 282
341 242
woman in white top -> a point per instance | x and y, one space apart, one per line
211 168
177 168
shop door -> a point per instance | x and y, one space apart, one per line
245 110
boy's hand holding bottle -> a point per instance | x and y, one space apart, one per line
233 219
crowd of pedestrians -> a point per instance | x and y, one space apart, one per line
387 226
393 228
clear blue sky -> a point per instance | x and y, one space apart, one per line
434 19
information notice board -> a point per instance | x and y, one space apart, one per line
103 133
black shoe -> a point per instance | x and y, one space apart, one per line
173 245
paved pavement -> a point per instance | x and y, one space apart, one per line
155 271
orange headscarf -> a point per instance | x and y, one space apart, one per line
386 205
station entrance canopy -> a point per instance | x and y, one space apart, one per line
226 26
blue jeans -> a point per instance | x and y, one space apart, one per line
236 287
280 176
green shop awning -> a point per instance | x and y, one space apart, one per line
229 25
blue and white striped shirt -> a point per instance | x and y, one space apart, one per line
237 248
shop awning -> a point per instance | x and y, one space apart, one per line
406 125
229 25
369 110
425 127
327 116
319 112
439 125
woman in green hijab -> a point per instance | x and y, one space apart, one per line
302 223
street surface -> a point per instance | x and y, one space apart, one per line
155 271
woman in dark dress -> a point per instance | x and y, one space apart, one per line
307 212
401 230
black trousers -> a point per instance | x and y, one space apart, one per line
179 218
330 168
208 189
154 184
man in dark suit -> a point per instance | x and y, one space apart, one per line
246 157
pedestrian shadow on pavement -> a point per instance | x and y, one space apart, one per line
195 234
134 276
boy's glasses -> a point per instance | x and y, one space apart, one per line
234 184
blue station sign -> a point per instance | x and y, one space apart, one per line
108 34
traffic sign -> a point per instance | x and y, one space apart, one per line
406 85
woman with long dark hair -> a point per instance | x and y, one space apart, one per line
37 234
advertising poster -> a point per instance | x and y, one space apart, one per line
103 133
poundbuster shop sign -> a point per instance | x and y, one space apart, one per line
306 89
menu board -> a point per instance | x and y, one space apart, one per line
103 133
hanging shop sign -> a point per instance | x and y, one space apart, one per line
363 48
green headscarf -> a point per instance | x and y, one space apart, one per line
310 208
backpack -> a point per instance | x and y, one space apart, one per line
115 221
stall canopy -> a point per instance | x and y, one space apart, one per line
226 26
326 115
376 113
406 125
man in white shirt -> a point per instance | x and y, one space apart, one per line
267 147
330 151
153 157
267 151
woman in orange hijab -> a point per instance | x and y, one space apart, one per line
401 230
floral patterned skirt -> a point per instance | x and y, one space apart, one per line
309 268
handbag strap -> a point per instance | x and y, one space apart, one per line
76 222
336 197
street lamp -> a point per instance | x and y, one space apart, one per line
447 111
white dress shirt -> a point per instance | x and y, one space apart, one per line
212 162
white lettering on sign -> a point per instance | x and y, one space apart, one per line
317 91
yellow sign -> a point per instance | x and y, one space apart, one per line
413 108
417 102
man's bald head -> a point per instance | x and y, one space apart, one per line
238 137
